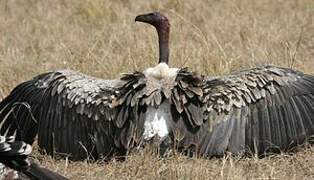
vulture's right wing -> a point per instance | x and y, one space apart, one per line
69 111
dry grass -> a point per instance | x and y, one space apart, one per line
99 37
148 166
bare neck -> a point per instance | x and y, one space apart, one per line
163 38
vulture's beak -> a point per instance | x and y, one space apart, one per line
142 18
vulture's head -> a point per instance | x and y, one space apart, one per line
161 23
155 19
159 104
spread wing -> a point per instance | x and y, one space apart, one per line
69 111
260 110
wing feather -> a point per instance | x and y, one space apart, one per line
275 127
237 140
256 111
307 113
65 108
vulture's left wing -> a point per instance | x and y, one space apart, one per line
259 110
255 111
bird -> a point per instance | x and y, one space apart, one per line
255 111
251 112
14 155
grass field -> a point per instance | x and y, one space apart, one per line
212 37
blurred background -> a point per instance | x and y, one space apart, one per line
100 37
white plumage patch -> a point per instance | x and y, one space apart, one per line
158 119
157 122
161 71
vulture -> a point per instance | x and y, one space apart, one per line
255 111
14 155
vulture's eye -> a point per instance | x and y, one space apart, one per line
151 14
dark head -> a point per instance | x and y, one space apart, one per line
161 23
155 19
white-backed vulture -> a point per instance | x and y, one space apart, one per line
258 110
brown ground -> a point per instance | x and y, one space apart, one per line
212 37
